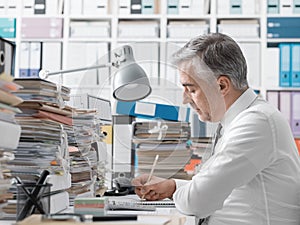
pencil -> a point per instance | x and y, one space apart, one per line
151 172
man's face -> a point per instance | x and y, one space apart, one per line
203 96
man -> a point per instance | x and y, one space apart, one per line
253 175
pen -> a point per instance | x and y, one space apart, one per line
151 172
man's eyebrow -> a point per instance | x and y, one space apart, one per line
187 85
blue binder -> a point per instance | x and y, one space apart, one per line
273 6
153 110
283 22
147 6
235 6
285 65
173 6
295 53
296 7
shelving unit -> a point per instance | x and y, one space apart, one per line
161 78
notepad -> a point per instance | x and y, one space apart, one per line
133 204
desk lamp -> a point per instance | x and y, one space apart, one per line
130 82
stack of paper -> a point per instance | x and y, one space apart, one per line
43 142
10 132
166 139
84 157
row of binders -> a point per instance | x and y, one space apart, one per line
289 65
31 7
283 7
37 55
288 103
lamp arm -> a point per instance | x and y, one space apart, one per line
44 73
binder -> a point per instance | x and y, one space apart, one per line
223 7
28 7
7 57
136 7
124 7
295 55
173 6
24 59
75 7
250 7
39 6
147 6
185 7
285 65
152 110
7 27
52 7
283 22
286 7
273 7
273 98
296 7
2 7
11 7
272 66
51 58
35 59
94 7
295 117
285 104
10 135
235 7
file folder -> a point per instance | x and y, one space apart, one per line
295 118
173 6
7 27
284 67
295 55
273 7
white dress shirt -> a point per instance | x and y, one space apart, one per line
253 178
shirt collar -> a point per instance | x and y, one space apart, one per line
242 103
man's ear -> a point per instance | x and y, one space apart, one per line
224 83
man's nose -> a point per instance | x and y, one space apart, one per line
186 99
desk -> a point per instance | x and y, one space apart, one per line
145 218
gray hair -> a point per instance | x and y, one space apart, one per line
220 53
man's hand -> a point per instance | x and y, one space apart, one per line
157 189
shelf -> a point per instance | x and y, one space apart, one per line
280 40
137 39
87 39
238 16
283 89
189 17
140 16
42 40
280 15
43 16
86 17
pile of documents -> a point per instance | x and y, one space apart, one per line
10 133
84 157
43 143
166 139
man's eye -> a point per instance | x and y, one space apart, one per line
192 91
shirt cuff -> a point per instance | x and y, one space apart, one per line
179 183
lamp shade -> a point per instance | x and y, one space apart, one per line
130 80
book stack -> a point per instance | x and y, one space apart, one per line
166 139
43 142
10 133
